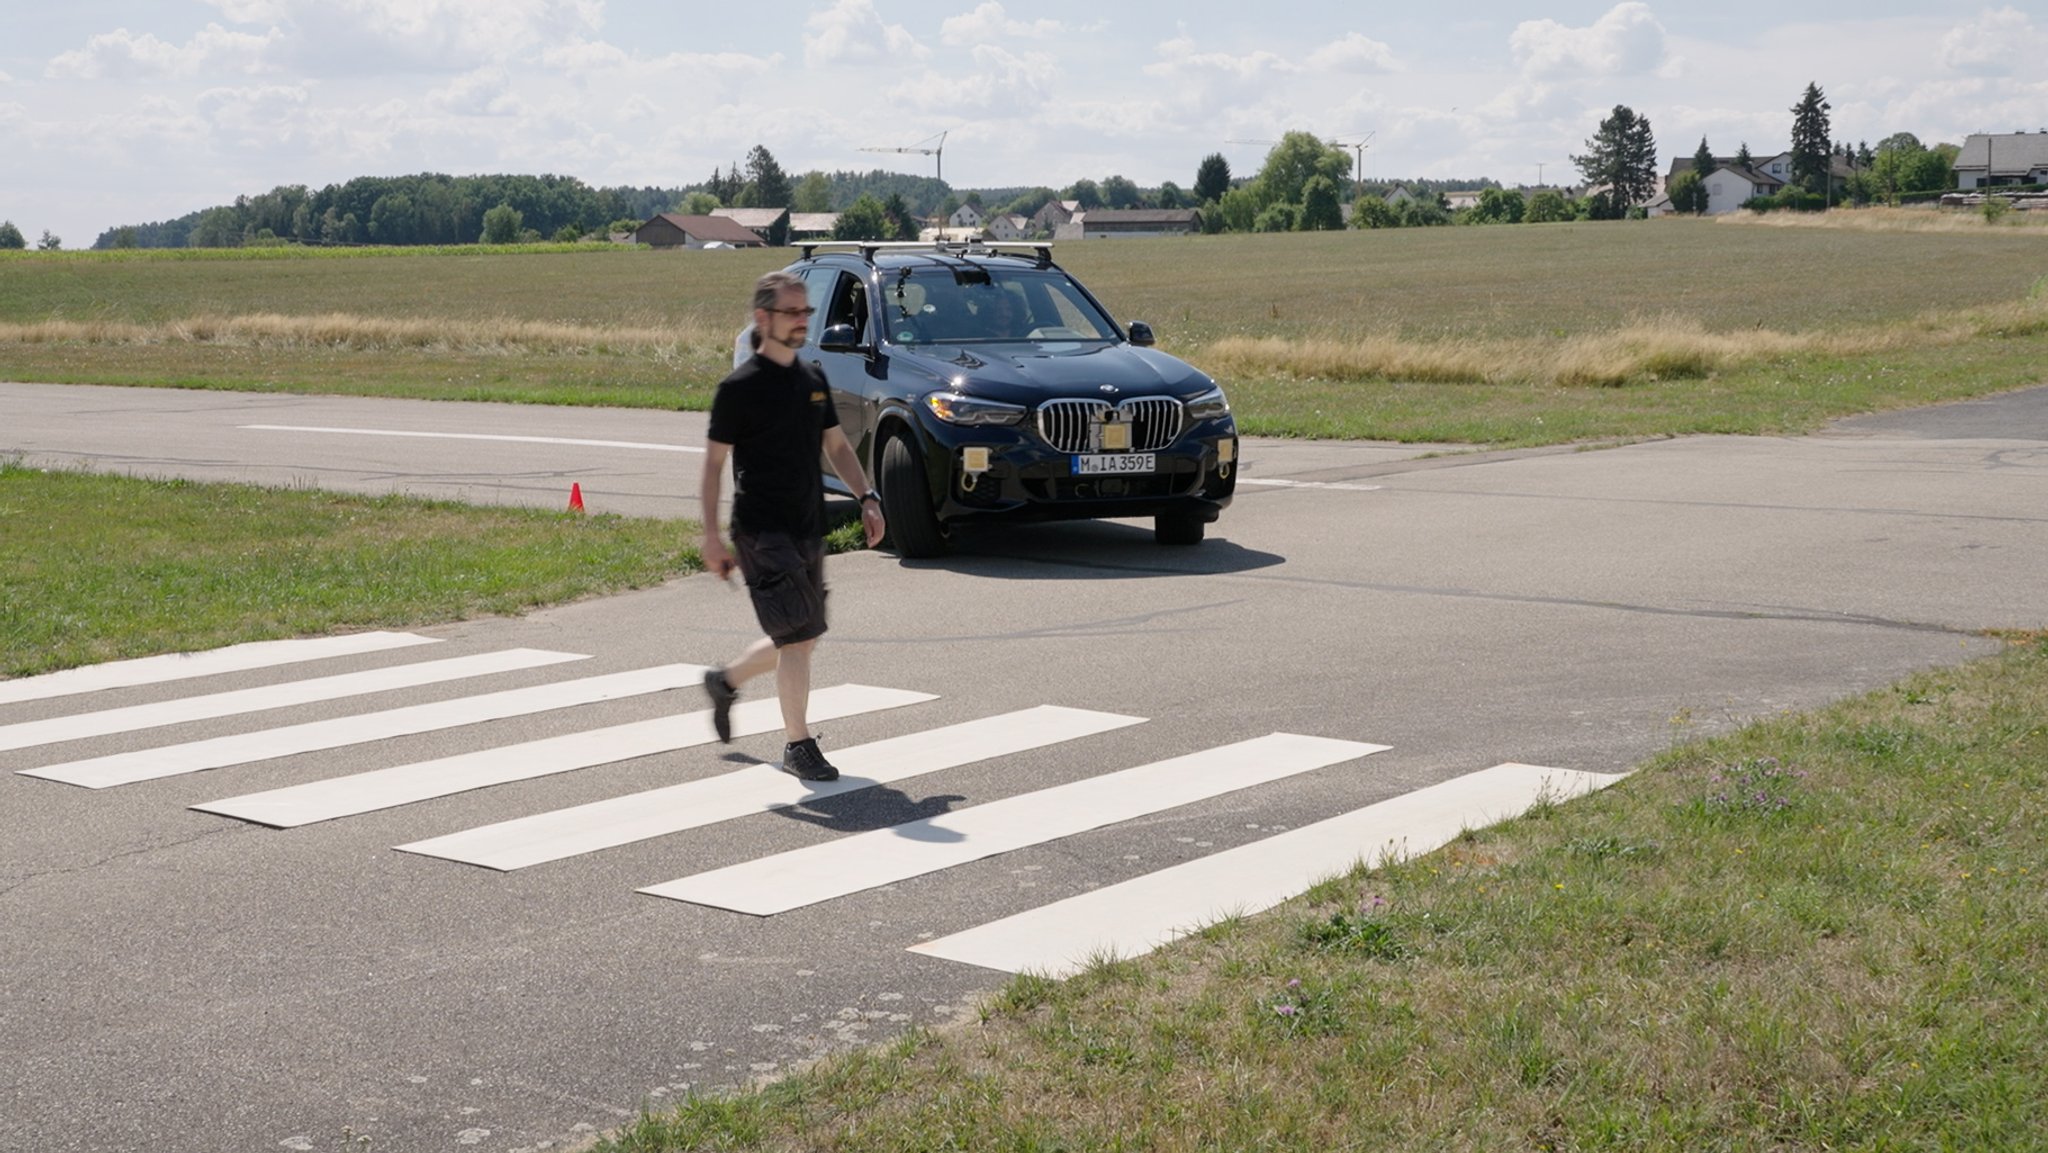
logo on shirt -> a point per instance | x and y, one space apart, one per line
818 397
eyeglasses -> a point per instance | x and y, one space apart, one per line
804 312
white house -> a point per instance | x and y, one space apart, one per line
1007 227
2003 158
965 216
1730 183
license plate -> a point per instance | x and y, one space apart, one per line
1112 463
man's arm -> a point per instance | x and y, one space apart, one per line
714 553
846 463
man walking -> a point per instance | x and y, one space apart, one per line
773 416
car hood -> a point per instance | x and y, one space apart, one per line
1025 373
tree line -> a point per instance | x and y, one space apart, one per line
1305 184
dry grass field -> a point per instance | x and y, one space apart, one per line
1471 334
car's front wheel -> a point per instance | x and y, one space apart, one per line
913 527
1177 528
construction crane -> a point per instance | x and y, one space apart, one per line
936 151
1357 146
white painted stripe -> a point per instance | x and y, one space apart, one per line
408 784
160 713
220 752
606 824
806 876
647 445
1134 917
1310 484
183 666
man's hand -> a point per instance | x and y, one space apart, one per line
871 520
716 558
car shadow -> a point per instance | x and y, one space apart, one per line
1064 550
1104 550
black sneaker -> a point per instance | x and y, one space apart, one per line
722 696
802 759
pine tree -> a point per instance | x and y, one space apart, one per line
767 184
1810 160
1212 179
1623 156
1703 160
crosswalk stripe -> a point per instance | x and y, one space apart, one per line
181 666
134 717
1138 915
242 748
407 784
802 877
516 844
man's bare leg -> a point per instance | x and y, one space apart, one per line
793 686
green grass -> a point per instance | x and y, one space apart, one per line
1825 931
1888 315
96 568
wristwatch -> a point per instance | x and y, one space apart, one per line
871 495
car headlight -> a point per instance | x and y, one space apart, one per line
954 408
1208 406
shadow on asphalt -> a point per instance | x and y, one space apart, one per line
1105 550
876 807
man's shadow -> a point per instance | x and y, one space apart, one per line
867 807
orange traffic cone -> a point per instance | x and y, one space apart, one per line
575 497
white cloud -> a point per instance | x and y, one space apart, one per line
484 92
998 81
1627 40
990 22
258 117
1179 60
853 30
1996 43
1354 53
121 54
251 11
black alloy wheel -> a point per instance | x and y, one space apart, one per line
914 529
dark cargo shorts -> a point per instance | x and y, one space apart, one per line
786 577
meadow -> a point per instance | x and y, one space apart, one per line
1448 334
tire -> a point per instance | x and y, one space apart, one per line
1177 528
914 530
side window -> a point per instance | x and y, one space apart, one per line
817 287
848 304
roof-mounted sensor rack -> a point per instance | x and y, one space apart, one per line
869 249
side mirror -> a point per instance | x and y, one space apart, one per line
1141 334
840 338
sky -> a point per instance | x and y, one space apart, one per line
124 112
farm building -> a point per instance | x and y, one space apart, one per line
765 223
1104 223
672 230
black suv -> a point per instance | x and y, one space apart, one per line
982 382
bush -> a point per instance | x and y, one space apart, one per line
1788 199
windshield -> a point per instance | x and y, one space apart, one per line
979 305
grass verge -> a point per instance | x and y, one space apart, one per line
1824 931
96 568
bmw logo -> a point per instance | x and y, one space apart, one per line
1108 388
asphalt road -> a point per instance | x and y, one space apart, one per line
178 979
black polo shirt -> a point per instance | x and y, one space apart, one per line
775 420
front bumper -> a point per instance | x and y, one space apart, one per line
1023 478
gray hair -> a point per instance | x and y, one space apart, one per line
772 285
